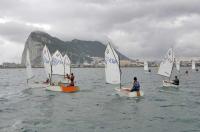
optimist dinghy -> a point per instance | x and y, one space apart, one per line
113 72
63 88
30 76
166 67
57 67
167 84
146 67
124 92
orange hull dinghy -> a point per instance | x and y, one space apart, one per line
63 88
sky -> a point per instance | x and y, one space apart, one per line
138 28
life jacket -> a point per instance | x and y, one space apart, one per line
176 82
72 81
137 85
72 78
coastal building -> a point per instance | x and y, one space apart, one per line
11 65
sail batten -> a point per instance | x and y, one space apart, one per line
112 68
166 65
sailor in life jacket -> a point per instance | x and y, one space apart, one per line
175 81
71 78
67 77
136 85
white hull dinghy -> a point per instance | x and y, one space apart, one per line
146 67
62 88
168 84
124 92
113 72
57 67
166 68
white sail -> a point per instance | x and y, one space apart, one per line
47 61
67 64
28 66
146 67
166 65
112 69
193 65
177 65
57 64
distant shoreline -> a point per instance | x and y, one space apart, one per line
71 67
82 67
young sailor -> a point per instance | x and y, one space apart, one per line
136 85
175 81
71 78
67 77
186 72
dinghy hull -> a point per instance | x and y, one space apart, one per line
125 92
168 84
62 88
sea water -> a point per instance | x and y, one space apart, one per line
96 107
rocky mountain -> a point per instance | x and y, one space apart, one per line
79 51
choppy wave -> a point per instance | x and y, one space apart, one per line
96 107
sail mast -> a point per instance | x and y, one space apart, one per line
120 84
64 66
51 70
173 58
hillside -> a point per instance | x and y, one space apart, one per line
79 51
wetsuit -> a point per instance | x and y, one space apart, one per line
136 86
72 81
176 81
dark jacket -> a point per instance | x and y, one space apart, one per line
71 81
176 81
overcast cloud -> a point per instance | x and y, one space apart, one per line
139 28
